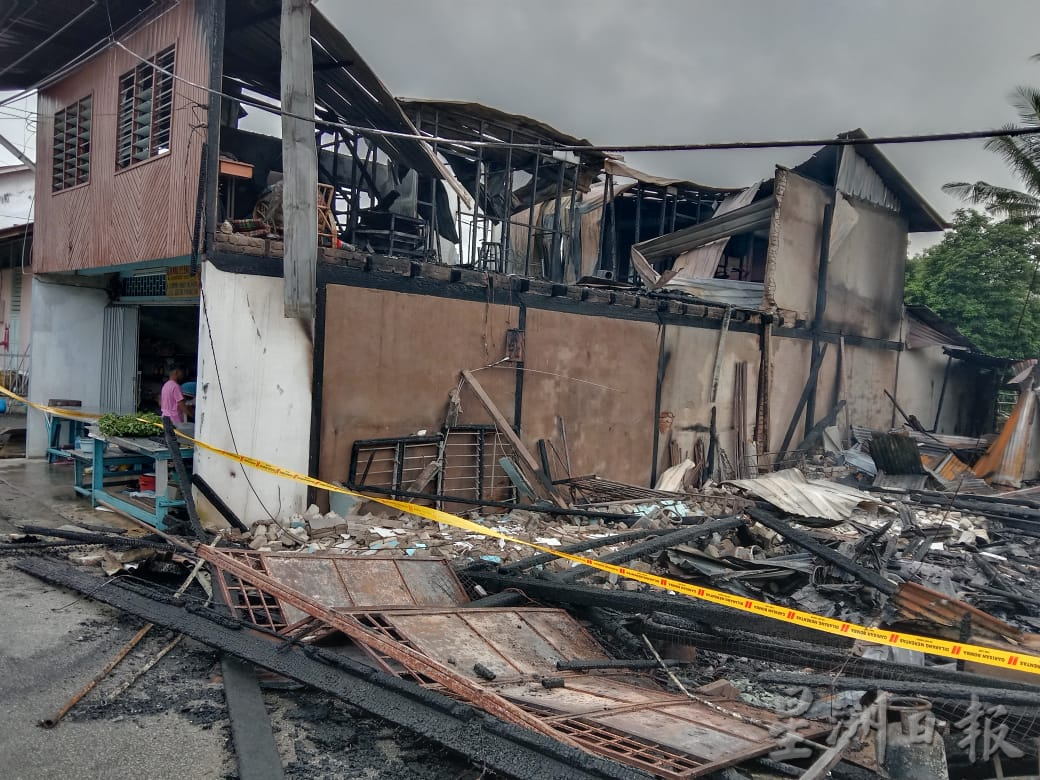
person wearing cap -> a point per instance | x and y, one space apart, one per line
188 389
172 397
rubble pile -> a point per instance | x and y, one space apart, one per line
408 535
555 647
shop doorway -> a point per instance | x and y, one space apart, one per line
168 336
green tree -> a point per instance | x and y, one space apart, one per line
1022 154
982 277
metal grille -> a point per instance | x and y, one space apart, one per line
151 286
248 602
421 644
595 490
469 457
628 749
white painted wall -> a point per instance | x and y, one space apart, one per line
265 365
18 322
66 345
17 188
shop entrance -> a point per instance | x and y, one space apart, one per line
168 337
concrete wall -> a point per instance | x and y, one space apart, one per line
20 333
920 384
686 392
793 254
67 326
17 190
865 271
264 366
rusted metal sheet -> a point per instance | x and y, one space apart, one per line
378 643
622 717
626 718
350 584
917 602
954 474
1005 461
512 642
663 733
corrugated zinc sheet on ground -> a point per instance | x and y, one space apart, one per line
791 492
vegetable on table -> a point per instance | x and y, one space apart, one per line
130 425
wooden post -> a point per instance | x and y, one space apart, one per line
299 160
211 149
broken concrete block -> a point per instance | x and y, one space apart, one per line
328 520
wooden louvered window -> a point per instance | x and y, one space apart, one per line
145 110
70 162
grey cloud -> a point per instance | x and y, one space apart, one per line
674 71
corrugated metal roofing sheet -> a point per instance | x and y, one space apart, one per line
896 454
790 491
728 292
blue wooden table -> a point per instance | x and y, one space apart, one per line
62 433
137 453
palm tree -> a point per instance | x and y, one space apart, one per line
1022 154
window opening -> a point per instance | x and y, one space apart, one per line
71 155
145 110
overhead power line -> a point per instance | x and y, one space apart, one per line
680 147
885 140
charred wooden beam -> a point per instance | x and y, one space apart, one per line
765 646
552 591
833 557
928 688
651 546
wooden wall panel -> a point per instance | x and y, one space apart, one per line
144 212
391 360
599 375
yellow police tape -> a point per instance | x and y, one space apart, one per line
956 650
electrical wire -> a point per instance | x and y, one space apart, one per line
618 148
227 413
679 147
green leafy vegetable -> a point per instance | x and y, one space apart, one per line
140 424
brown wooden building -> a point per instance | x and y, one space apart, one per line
658 322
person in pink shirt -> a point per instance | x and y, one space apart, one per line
172 399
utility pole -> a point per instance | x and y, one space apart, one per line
299 161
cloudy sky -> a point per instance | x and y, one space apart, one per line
672 71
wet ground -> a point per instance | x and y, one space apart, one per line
172 722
